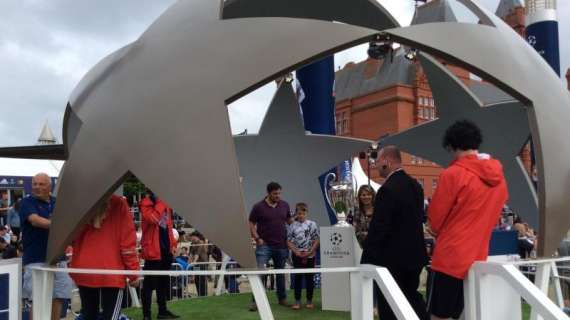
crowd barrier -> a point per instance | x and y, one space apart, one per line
485 281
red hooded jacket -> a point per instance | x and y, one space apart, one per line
463 212
112 246
150 241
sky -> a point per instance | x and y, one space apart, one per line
46 46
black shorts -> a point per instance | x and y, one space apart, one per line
445 296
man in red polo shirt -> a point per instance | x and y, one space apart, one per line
462 214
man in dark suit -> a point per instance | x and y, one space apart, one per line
395 238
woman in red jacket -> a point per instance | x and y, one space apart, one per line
158 245
107 242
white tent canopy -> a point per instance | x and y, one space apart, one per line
28 167
359 177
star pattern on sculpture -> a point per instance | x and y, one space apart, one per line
157 109
504 127
284 152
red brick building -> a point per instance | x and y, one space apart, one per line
379 97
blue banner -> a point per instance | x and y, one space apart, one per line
4 296
315 93
543 36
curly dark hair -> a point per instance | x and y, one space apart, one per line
462 135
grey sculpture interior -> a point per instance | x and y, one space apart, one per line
504 126
156 108
283 152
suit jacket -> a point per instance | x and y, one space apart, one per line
396 238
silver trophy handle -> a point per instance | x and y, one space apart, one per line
330 176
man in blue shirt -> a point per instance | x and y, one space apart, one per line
35 212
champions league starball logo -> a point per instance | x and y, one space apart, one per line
336 239
336 247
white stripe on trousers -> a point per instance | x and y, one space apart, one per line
118 304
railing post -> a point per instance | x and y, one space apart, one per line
260 297
496 296
134 297
557 286
42 292
540 303
393 294
542 281
361 297
225 260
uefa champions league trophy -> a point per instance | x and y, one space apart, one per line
340 197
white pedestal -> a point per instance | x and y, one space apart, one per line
339 248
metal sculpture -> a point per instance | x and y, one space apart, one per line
156 108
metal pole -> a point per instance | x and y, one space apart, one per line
368 160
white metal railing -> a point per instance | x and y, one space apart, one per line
493 290
487 283
362 279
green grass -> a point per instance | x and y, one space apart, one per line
235 307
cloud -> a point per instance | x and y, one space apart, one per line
45 49
46 46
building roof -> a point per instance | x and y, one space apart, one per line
356 80
434 11
488 93
506 6
46 136
352 81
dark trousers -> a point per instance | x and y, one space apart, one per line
408 281
301 263
201 282
92 299
159 283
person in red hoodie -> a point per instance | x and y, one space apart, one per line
107 242
158 246
462 214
